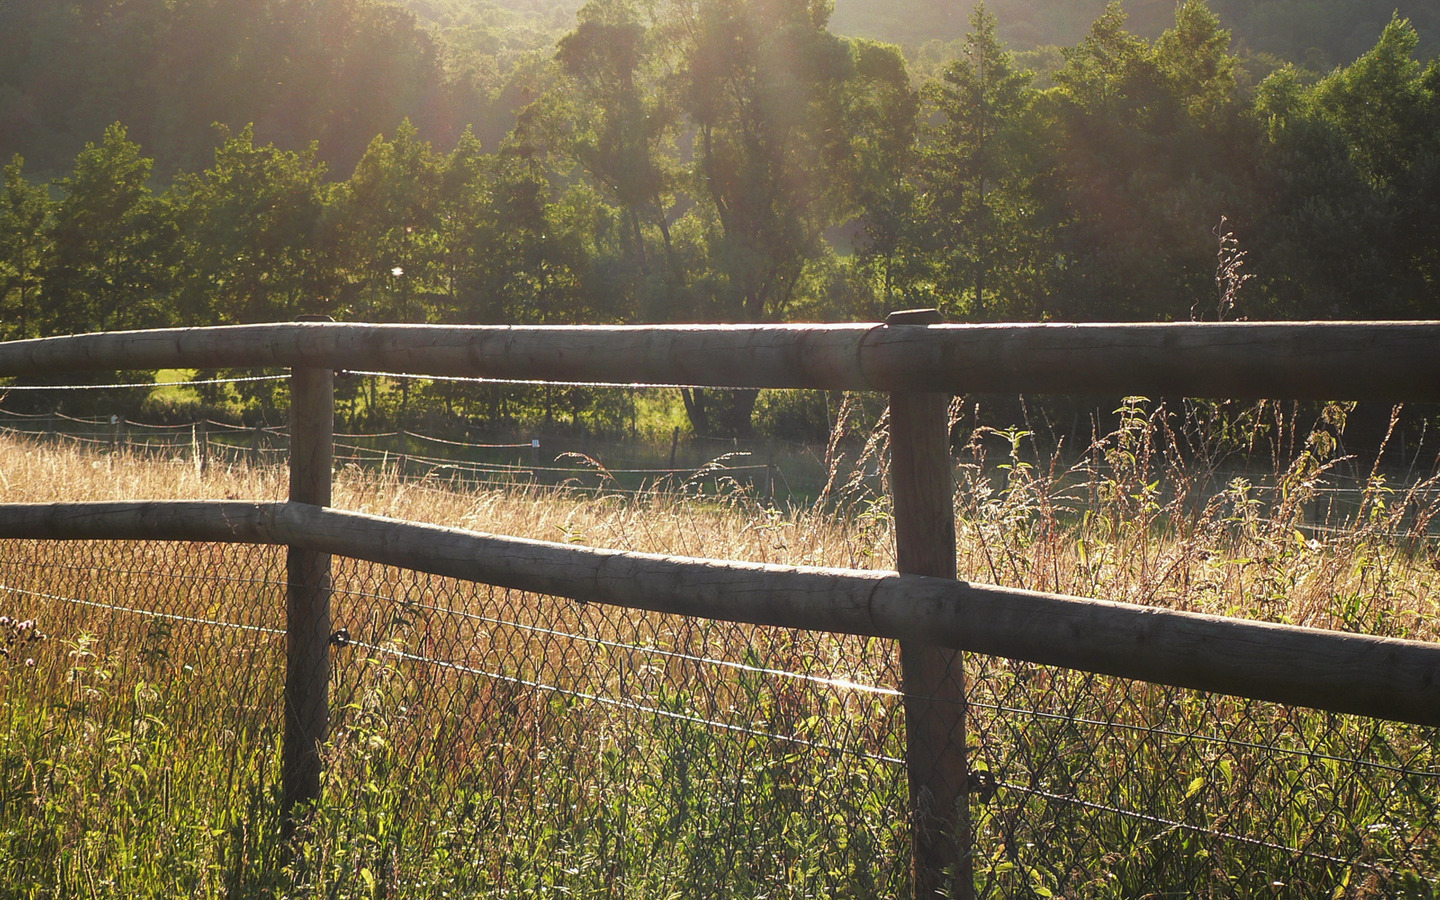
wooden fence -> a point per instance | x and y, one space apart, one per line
921 363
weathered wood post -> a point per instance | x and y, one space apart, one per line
922 489
200 446
307 606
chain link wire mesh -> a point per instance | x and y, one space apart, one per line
1102 787
487 742
624 753
142 686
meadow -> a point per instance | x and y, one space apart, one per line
489 743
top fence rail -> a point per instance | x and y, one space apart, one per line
1396 361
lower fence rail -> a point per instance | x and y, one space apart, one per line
488 741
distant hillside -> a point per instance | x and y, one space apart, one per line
1319 34
341 71
557 15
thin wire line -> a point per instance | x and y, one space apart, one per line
523 381
142 612
626 704
140 426
437 463
136 384
1182 826
436 440
608 490
841 683
21 415
705 471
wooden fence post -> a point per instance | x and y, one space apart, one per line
922 489
307 605
200 446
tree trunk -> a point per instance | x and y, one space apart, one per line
716 412
695 408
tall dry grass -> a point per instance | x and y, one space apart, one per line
490 743
1159 511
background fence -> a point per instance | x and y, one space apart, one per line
560 747
419 456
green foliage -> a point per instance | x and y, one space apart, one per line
1149 160
804 415
978 176
111 241
25 212
763 85
1318 34
254 236
388 215
335 72
612 118
1355 171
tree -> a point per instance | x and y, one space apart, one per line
1352 223
1151 153
611 116
25 212
883 109
256 239
110 239
976 215
389 216
1194 58
1382 106
776 101
511 255
762 83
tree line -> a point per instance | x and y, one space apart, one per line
735 160
1314 34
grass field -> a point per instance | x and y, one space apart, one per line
489 743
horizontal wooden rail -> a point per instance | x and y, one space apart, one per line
1348 673
1390 361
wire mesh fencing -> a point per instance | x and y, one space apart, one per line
487 742
1100 787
